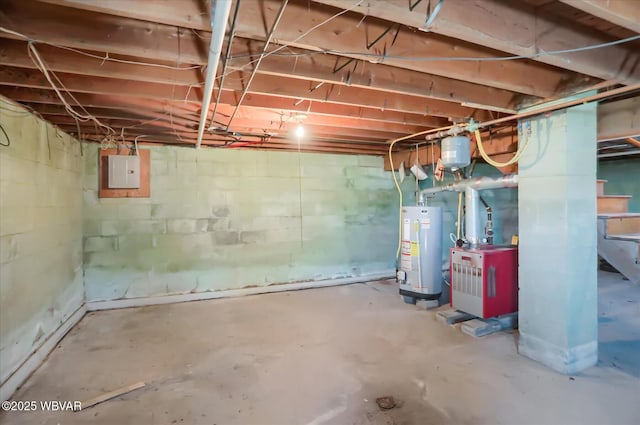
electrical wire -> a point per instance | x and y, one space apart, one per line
26 111
290 43
102 58
225 62
135 142
382 57
6 137
173 88
129 62
395 180
309 31
283 6
39 63
338 52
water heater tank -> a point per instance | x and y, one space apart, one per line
456 152
420 274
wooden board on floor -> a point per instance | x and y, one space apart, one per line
112 394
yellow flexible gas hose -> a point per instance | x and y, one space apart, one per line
486 157
395 180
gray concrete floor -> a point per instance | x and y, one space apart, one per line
322 357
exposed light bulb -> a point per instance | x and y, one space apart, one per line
299 131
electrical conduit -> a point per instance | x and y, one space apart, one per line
219 14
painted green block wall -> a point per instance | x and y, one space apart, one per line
223 219
40 233
623 179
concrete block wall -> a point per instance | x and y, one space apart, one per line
558 317
41 281
224 219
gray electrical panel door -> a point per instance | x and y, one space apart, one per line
124 171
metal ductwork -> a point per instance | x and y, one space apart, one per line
470 188
219 15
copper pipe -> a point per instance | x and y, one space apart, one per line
421 133
563 105
633 141
550 108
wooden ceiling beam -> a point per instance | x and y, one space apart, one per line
23 77
130 104
15 53
336 109
525 33
192 14
260 118
318 91
60 25
117 123
247 133
288 129
264 85
190 138
251 126
256 144
625 13
619 119
248 123
104 33
283 105
317 68
345 35
310 65
277 117
113 113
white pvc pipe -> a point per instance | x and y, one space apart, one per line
219 15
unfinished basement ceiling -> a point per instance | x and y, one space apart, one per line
355 73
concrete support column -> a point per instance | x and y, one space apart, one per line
558 317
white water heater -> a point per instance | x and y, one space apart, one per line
420 271
456 152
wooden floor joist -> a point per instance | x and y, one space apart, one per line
351 73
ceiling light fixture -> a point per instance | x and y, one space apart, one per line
300 131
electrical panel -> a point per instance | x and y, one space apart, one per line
484 281
124 172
